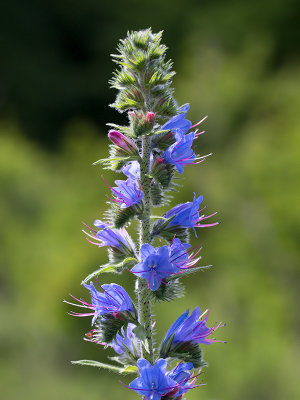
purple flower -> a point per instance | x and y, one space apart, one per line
181 374
132 170
153 382
113 300
181 257
191 329
125 343
127 193
127 338
179 123
180 153
106 236
187 215
155 265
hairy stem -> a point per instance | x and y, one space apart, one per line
144 303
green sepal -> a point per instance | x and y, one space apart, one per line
123 79
163 174
116 255
163 139
128 99
189 271
178 232
108 325
121 128
171 290
162 229
121 216
184 351
166 105
156 194
116 160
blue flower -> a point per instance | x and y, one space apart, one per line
124 341
179 123
127 193
180 153
187 215
107 236
127 338
132 170
153 382
179 255
181 374
155 265
113 300
191 329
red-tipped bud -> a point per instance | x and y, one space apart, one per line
151 117
142 123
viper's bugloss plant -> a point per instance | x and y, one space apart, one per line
157 144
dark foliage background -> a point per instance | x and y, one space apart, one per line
236 61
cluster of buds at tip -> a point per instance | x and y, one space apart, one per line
141 124
124 146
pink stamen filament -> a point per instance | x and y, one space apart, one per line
198 123
89 228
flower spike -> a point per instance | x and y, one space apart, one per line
150 151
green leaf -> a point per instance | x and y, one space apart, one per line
107 268
114 268
97 364
129 369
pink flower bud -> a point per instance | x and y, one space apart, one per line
151 117
122 141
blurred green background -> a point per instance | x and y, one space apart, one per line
236 61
